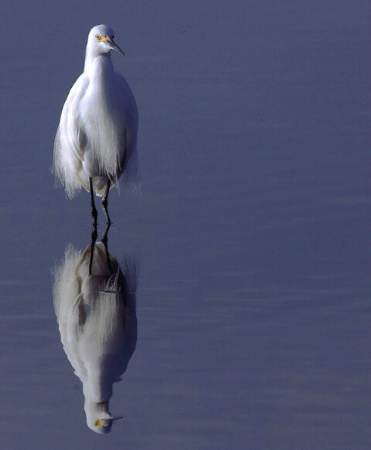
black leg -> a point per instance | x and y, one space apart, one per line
94 211
105 203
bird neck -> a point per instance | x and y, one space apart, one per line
96 407
96 63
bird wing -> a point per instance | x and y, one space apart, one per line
70 138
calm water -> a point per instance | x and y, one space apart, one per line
251 234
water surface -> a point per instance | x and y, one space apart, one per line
251 233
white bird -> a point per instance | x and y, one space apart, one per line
97 323
96 139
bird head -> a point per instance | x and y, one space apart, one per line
103 425
101 40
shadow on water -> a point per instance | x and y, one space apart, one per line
95 305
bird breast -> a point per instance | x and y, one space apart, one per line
102 115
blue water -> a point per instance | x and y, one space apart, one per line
251 234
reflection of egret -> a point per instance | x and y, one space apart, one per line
98 327
97 133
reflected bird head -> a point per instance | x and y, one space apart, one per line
104 425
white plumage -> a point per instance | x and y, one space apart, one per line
96 139
97 323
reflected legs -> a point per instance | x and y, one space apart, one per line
105 243
94 235
105 203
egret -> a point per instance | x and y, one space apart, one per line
97 323
96 138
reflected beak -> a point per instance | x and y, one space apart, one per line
116 418
112 44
